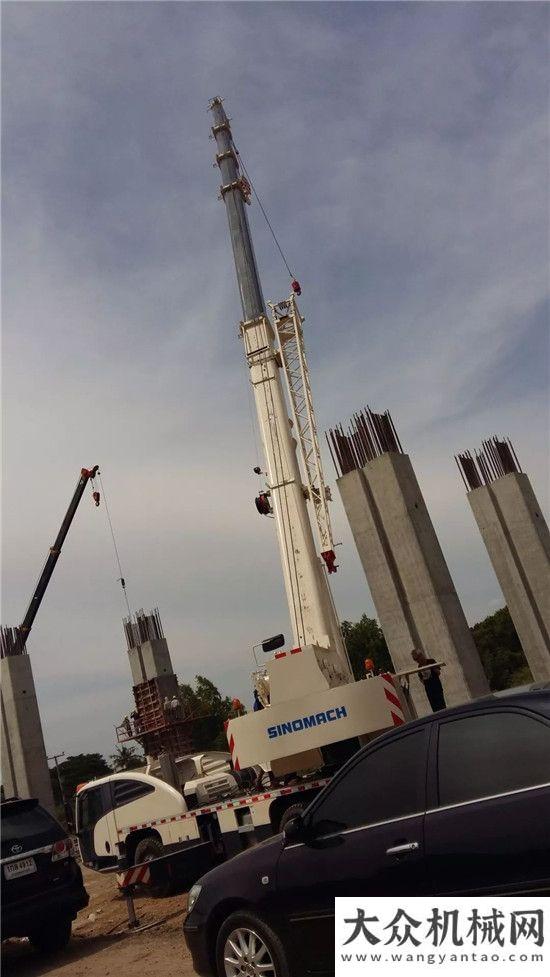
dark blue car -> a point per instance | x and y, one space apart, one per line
455 803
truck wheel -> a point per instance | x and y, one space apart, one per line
247 945
53 935
291 812
146 850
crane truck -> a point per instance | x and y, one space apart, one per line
313 713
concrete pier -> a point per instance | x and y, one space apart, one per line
411 587
516 535
24 762
157 729
518 543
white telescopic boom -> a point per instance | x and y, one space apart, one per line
308 594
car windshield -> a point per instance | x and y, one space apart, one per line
27 827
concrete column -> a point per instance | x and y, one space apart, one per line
24 762
383 578
149 660
408 577
518 542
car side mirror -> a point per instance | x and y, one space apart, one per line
294 830
271 644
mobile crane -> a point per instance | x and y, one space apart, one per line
311 701
314 714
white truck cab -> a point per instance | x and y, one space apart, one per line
113 816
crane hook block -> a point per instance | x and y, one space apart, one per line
96 497
262 504
329 556
295 286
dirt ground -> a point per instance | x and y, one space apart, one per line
102 945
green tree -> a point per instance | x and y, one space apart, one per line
364 639
500 651
81 768
78 770
209 710
126 758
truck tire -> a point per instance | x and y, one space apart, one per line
291 812
53 935
244 929
147 849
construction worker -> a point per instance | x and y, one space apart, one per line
430 680
369 668
237 707
258 704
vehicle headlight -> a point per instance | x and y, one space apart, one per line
194 894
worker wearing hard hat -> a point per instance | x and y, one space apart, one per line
237 707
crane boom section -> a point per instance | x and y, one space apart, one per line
308 595
301 568
53 556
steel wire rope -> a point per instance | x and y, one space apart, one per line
121 578
261 206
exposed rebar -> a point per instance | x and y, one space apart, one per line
11 642
494 459
142 627
369 435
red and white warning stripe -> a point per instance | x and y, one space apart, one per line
396 708
238 802
134 876
283 654
234 759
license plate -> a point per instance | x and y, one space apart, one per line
23 866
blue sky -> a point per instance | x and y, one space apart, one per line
402 153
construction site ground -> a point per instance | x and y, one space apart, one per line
102 945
